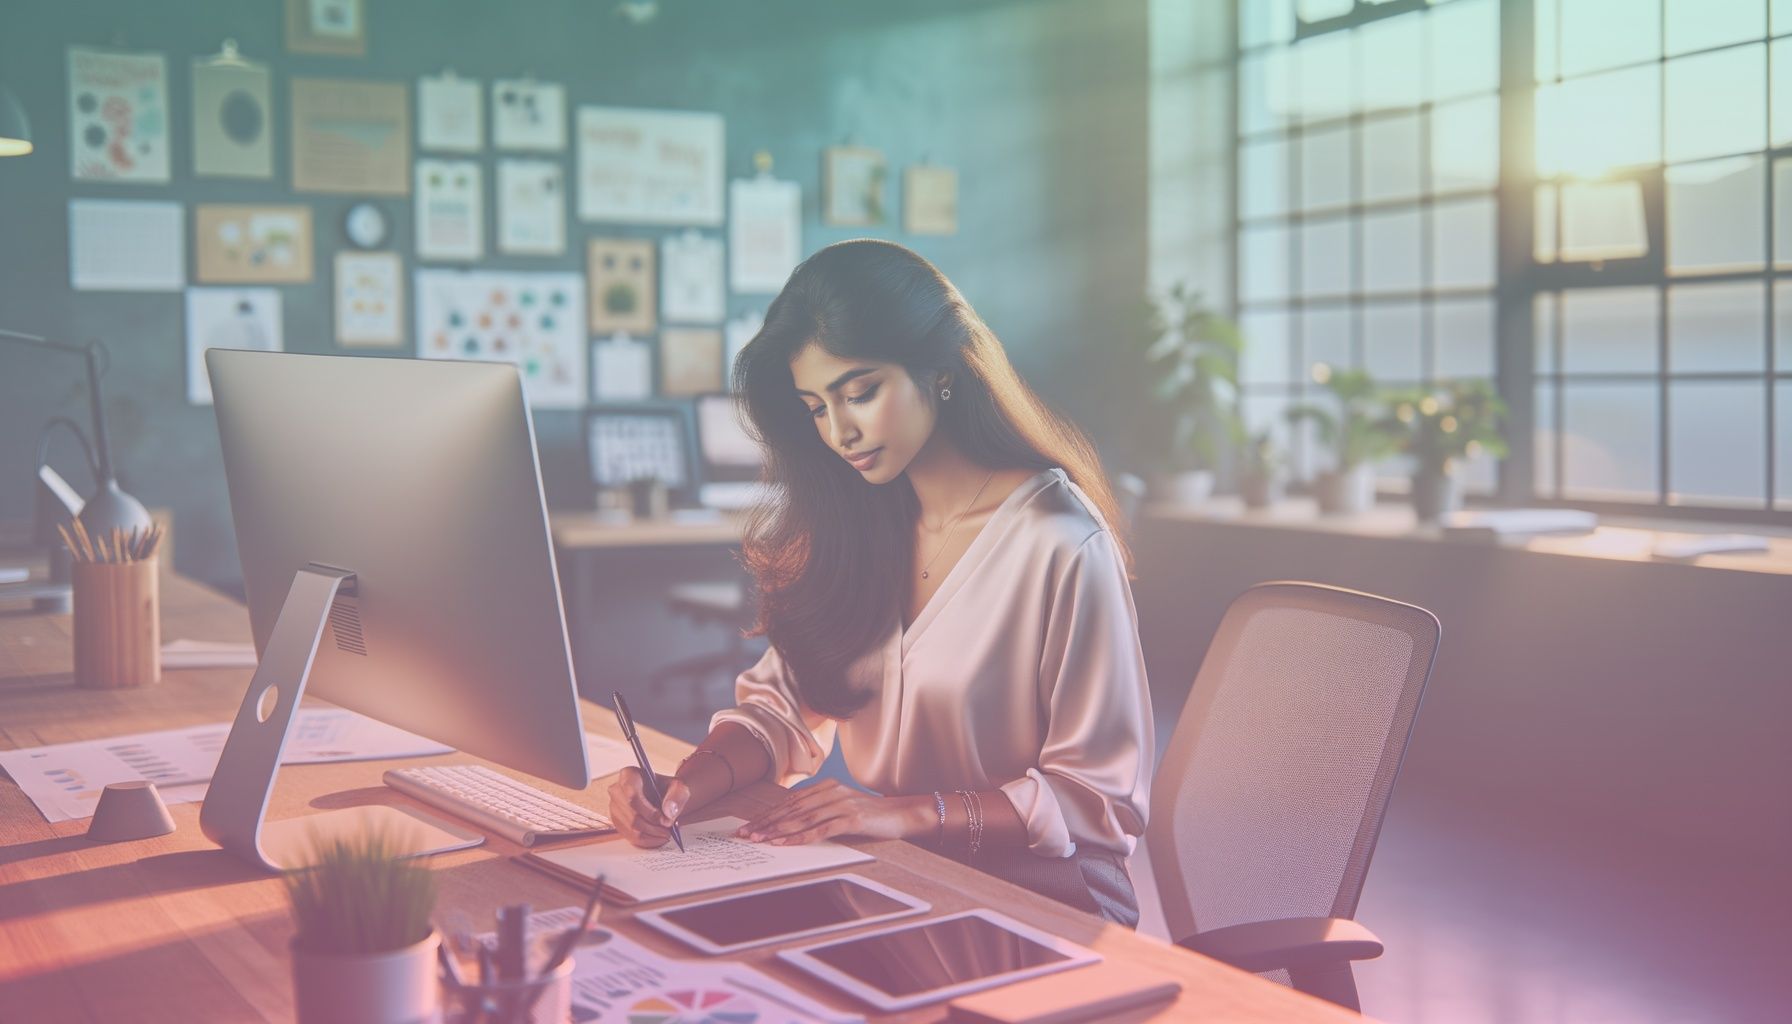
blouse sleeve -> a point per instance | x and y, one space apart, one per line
767 705
1092 781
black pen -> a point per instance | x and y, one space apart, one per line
653 787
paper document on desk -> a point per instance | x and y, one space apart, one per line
615 979
605 756
64 780
712 859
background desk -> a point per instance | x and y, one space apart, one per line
614 578
173 929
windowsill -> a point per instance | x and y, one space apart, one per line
1617 538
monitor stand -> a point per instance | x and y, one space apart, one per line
237 799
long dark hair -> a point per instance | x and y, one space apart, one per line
826 545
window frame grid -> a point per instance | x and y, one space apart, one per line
1519 278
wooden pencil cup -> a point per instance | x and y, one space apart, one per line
118 624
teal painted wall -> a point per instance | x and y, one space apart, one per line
1039 104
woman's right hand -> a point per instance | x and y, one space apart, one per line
634 815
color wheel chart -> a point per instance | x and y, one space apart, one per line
694 1006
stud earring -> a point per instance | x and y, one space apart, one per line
945 394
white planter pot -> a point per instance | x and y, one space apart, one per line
1347 493
399 987
1190 488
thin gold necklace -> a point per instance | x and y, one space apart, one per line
954 526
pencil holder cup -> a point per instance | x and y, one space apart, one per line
118 624
542 999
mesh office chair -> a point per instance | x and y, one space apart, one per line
1271 795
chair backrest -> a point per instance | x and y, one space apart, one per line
1272 791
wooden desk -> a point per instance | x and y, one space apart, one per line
585 531
174 929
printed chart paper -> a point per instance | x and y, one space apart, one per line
536 321
126 245
247 318
765 234
621 274
650 166
450 114
253 244
117 116
616 980
531 207
350 136
735 334
232 120
528 115
621 370
369 299
64 780
450 210
691 287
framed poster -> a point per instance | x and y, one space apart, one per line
232 120
333 28
621 275
351 137
117 116
852 186
650 166
252 244
930 200
369 299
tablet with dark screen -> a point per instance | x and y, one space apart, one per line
910 965
799 910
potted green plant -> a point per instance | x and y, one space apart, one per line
1440 426
364 951
1261 469
1189 359
1358 432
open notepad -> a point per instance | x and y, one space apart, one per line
712 859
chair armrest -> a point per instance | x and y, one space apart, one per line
1289 944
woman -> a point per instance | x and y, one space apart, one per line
942 590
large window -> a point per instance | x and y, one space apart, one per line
1660 220
1652 215
1368 159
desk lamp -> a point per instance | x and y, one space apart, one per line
108 507
15 127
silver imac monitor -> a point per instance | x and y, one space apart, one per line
397 562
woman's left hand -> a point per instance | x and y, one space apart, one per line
832 808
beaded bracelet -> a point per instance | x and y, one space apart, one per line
939 803
717 754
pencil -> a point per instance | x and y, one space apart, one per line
86 541
69 541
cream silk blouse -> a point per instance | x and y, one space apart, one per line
1023 672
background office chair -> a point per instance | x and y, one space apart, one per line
724 603
1271 795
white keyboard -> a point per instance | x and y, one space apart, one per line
497 803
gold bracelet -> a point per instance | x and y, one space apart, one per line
718 756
